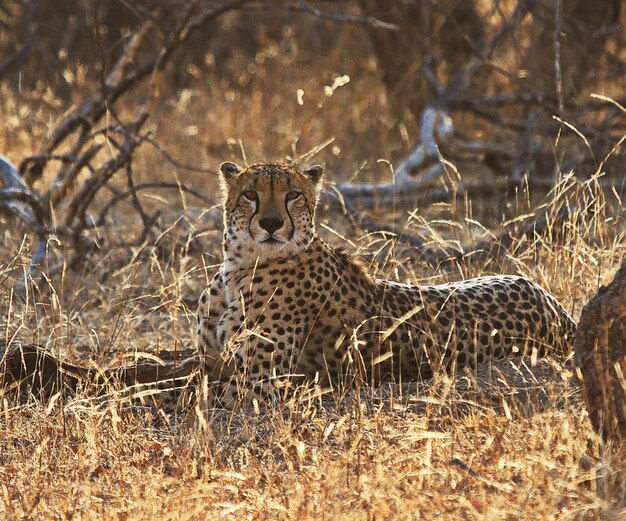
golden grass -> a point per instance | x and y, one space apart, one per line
72 459
80 461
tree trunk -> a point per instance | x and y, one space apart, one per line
600 347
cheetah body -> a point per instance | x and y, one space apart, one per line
300 308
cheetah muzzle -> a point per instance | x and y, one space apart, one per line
284 305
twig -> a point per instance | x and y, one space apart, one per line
125 74
67 176
83 198
459 81
558 17
305 7
117 84
175 162
38 162
145 186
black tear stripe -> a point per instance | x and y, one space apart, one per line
293 226
256 210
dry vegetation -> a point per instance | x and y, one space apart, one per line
76 459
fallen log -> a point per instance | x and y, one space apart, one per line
30 370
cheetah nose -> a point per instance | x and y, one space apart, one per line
271 224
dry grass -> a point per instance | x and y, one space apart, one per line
72 459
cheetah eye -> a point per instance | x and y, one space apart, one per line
293 195
250 195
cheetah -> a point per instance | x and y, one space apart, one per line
285 305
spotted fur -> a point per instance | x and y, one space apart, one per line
285 305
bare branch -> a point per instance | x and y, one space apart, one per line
175 162
371 21
128 72
434 121
146 186
17 197
67 176
435 118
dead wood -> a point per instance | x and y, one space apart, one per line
600 347
550 214
74 144
439 87
31 370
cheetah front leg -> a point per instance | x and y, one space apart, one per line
259 363
211 308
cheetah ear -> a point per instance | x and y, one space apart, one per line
229 170
314 173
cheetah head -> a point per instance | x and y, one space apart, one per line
269 210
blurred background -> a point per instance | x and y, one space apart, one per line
279 78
